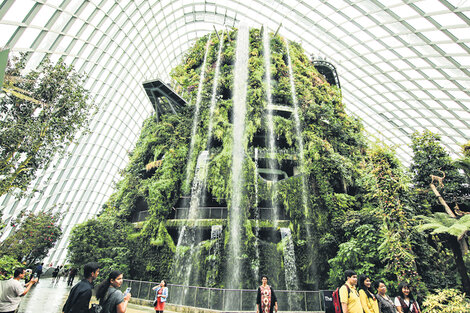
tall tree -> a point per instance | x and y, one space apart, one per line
430 158
437 183
453 230
41 114
33 235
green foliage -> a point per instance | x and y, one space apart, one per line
32 236
102 239
430 158
44 122
360 252
349 204
8 264
442 223
391 195
446 301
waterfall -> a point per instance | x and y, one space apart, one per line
216 231
187 236
270 123
238 154
215 84
189 165
216 234
255 263
298 132
183 263
312 268
290 268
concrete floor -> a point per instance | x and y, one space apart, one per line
49 298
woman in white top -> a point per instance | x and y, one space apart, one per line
405 301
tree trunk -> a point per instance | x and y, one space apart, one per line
441 200
462 242
461 268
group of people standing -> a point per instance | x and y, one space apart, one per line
363 300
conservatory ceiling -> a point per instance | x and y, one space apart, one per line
403 67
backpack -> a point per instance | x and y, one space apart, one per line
337 301
96 308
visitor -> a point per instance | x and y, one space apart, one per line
266 300
13 290
161 293
367 297
79 297
60 273
72 273
348 294
55 273
386 304
38 270
111 298
64 272
405 301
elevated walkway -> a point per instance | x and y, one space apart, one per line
156 89
328 70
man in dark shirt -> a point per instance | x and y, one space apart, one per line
80 295
38 270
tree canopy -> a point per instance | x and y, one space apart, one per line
42 112
33 235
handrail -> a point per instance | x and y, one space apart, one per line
227 299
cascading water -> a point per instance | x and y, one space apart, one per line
290 269
215 84
238 155
251 241
216 234
289 259
189 165
270 123
312 268
187 237
298 130
255 262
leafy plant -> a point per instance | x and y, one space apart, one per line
442 223
8 264
32 236
446 301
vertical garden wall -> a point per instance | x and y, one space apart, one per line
309 198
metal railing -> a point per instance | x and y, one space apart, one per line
227 299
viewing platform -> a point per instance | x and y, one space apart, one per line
156 89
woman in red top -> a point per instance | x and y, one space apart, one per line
266 301
161 292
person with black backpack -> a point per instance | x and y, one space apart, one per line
79 297
349 297
112 300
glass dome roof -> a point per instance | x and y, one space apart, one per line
403 66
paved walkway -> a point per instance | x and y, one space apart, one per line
50 298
